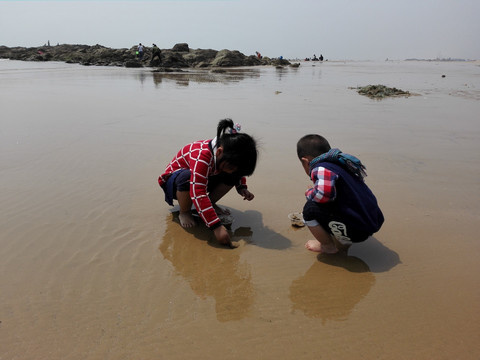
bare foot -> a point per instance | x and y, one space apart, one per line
221 211
316 246
186 219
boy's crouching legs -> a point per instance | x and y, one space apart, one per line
324 242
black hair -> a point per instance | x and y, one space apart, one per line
312 145
239 149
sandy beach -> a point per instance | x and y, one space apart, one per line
94 264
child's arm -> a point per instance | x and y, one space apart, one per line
242 189
247 195
222 236
199 168
324 185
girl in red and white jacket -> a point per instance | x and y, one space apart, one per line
202 172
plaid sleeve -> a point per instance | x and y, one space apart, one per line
324 185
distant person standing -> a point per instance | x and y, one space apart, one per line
140 51
156 53
321 57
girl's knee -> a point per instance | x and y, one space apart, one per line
182 181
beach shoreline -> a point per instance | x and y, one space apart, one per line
95 264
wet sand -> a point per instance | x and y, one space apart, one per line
96 266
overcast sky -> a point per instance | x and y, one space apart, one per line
338 29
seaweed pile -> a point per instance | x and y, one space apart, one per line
381 91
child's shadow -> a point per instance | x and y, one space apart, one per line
247 228
370 255
261 235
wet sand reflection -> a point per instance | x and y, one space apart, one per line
184 78
333 285
331 293
211 271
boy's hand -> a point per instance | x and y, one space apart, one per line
247 195
222 236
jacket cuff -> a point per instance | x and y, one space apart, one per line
216 225
240 188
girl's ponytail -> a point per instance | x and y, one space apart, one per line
223 126
239 149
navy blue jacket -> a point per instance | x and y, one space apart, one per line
354 200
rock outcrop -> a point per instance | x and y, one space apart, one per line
180 56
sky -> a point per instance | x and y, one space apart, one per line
338 29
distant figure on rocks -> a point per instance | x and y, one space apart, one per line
156 53
321 57
259 56
140 51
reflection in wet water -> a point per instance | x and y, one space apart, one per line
142 76
211 271
184 78
331 293
333 285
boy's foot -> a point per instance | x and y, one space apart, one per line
316 246
186 219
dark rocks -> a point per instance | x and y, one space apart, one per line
133 64
228 58
166 70
73 54
183 47
172 59
180 56
200 58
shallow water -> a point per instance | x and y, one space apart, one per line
95 265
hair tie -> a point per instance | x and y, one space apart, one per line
235 129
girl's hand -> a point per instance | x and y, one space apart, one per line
247 195
222 236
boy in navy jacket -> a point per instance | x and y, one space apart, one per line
340 208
